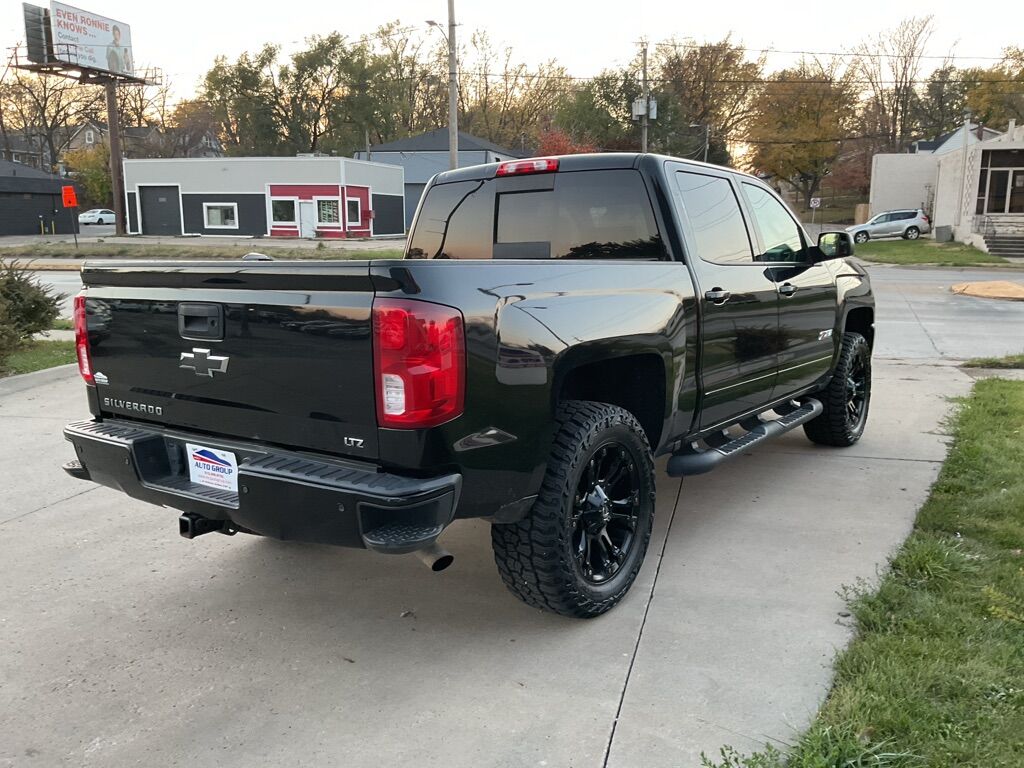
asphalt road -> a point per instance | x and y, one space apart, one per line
122 644
917 316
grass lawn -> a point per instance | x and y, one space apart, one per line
1010 361
186 250
63 324
37 355
924 251
935 676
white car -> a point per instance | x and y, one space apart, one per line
96 216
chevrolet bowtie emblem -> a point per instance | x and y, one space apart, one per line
203 363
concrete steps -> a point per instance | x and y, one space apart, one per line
1006 245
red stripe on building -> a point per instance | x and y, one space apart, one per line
304 191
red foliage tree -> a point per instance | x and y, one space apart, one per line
556 142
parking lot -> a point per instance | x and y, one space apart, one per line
123 644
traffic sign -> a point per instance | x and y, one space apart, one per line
815 202
70 198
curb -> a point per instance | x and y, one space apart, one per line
23 381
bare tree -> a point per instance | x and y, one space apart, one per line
46 109
890 65
143 105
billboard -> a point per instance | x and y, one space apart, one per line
85 39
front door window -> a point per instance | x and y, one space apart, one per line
1017 192
997 184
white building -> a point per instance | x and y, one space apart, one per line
907 179
978 192
324 197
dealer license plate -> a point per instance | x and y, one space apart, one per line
212 467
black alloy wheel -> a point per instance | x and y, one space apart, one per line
579 549
846 399
605 512
858 387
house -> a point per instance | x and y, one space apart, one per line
329 197
953 140
30 202
135 140
22 147
907 179
979 193
426 154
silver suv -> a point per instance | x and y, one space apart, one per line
909 224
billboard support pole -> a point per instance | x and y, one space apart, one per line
114 140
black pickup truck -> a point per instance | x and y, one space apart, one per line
557 323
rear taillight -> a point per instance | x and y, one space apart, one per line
82 341
522 167
419 363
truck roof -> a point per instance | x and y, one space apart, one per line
581 162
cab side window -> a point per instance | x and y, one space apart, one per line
782 239
719 231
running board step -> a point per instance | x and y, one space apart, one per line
696 459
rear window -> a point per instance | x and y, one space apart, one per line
571 215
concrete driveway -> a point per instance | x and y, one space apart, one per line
123 644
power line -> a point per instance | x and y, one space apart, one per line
854 54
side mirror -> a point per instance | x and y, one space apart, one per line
835 245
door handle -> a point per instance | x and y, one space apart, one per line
787 289
717 296
201 321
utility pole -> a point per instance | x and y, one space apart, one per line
453 92
114 138
707 139
646 98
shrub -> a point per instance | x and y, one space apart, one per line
9 339
30 307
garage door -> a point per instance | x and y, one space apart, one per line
161 210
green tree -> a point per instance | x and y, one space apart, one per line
246 101
706 84
598 111
91 169
996 95
939 107
798 125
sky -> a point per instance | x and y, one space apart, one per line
182 38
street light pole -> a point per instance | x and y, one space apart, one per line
453 92
707 140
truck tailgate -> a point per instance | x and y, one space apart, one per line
278 353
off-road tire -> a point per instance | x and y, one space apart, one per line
912 233
834 426
861 237
534 556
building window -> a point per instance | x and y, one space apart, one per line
220 215
353 212
327 212
90 137
282 211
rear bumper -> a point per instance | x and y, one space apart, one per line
281 494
